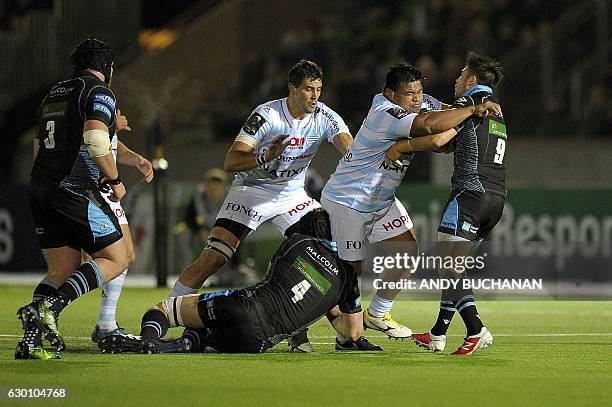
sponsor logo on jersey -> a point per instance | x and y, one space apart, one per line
497 129
253 124
430 103
108 100
395 223
397 112
354 244
102 108
54 109
335 127
60 90
295 142
288 173
328 265
397 169
468 227
447 224
301 207
285 158
250 212
313 276
210 309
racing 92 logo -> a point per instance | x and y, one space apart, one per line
295 142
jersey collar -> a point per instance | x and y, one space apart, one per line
87 73
478 88
292 121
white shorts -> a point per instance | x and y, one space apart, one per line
117 209
350 228
253 206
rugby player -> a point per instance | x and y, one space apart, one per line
270 155
111 291
73 151
476 201
306 280
360 195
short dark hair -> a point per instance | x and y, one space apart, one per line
401 73
304 69
488 71
91 53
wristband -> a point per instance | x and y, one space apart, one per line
115 181
260 159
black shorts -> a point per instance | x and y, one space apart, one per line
232 323
80 219
471 214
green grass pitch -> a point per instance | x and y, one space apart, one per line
544 353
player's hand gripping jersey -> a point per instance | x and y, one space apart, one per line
362 181
286 173
480 147
63 157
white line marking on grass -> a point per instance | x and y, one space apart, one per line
495 334
80 338
86 338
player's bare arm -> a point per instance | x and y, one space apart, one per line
121 122
241 157
440 121
105 162
129 157
343 141
424 143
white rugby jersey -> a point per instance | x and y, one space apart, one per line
362 181
286 173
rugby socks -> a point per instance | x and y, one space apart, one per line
154 324
466 307
445 315
197 337
107 319
44 289
379 306
85 279
180 289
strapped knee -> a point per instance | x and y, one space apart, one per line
171 307
220 247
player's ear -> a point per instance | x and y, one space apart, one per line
388 93
291 87
471 81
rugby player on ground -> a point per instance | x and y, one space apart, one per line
306 280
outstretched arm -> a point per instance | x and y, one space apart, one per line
441 121
126 156
424 143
